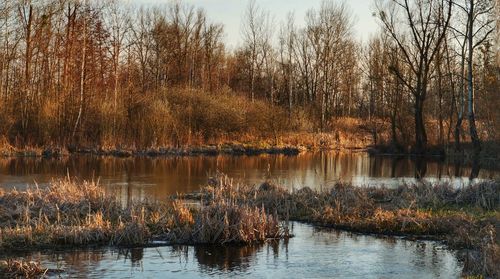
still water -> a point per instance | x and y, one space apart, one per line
143 177
312 253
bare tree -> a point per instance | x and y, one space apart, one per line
140 41
118 22
329 32
287 41
418 28
461 41
83 65
479 26
255 28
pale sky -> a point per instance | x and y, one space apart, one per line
230 13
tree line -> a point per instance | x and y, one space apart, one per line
79 71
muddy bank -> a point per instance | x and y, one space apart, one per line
207 150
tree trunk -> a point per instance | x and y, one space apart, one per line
476 142
420 134
460 117
440 99
82 73
116 80
27 72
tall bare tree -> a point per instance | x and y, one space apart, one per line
418 28
255 31
479 26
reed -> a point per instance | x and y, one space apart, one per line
22 269
222 220
465 218
70 213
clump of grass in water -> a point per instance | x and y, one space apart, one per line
23 269
79 214
438 212
223 219
66 213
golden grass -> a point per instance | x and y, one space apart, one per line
79 214
22 269
461 217
223 220
6 149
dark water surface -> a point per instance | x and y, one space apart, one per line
312 253
143 177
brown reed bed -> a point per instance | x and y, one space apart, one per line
466 218
69 214
24 269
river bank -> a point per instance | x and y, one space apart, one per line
206 150
71 214
288 144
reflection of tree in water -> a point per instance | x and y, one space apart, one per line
227 258
75 262
182 252
476 167
135 255
420 167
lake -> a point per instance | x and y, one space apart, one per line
312 253
160 177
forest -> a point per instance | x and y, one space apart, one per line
107 73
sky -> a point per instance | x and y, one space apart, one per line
230 13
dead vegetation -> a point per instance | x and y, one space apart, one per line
72 214
79 214
22 269
465 218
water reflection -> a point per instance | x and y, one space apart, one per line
313 252
160 177
225 259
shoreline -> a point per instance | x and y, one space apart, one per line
245 149
236 149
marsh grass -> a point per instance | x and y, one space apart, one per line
70 213
464 218
24 269
222 219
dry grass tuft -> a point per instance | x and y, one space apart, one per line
22 269
429 211
223 219
68 213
